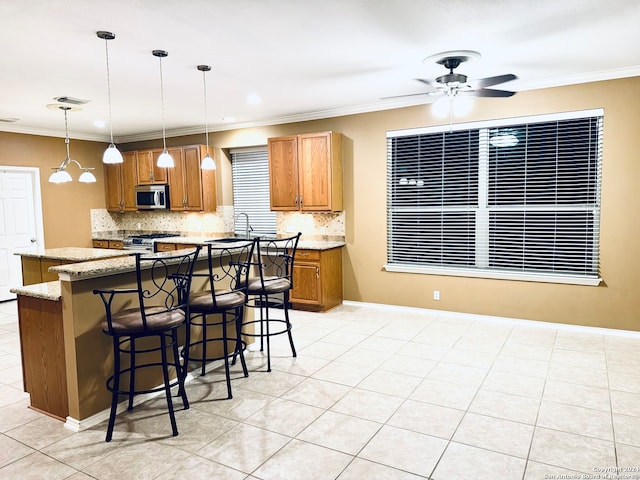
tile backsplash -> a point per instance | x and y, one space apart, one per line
310 224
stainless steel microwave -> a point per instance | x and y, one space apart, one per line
152 197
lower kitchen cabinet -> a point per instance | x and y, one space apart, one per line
167 247
317 279
115 244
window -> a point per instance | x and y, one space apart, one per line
250 170
513 198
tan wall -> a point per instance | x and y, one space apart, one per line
65 207
615 303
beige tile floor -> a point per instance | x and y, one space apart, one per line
375 393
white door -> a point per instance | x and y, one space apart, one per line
20 223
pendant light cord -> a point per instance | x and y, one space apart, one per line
106 49
164 142
66 134
206 127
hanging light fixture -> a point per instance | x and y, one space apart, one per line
111 154
60 174
207 162
165 159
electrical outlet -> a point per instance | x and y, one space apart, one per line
436 294
323 230
139 225
289 229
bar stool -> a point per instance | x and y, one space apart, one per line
270 288
220 304
163 282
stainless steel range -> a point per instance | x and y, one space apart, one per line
145 241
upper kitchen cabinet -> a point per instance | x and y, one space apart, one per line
148 170
305 172
191 188
120 182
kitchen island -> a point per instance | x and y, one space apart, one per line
36 264
66 358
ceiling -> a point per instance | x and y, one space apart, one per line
305 59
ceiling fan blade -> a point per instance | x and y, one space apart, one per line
489 81
427 83
406 95
488 92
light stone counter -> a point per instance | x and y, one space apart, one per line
75 254
45 291
311 243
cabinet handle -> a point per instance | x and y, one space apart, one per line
300 201
303 254
317 272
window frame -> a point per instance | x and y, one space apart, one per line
483 182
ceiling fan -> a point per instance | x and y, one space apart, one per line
453 84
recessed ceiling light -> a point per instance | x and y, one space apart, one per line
254 99
100 123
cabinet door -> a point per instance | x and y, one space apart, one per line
175 178
209 191
314 163
148 170
306 283
192 178
129 181
113 187
283 173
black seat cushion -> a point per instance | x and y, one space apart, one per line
129 321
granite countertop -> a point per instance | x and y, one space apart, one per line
45 291
310 243
307 242
76 254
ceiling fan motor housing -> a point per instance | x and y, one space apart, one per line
452 79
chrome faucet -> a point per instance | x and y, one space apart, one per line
247 227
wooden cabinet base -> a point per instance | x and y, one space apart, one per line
44 369
317 279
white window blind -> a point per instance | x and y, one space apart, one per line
505 198
250 171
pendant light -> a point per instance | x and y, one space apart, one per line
207 162
60 174
111 154
165 159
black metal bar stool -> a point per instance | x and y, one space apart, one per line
163 281
221 304
270 289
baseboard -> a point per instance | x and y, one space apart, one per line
503 320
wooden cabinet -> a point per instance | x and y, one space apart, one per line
147 166
168 247
190 188
305 172
115 244
120 180
317 279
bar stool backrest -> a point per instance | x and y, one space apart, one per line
228 268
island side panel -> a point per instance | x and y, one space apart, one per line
43 358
